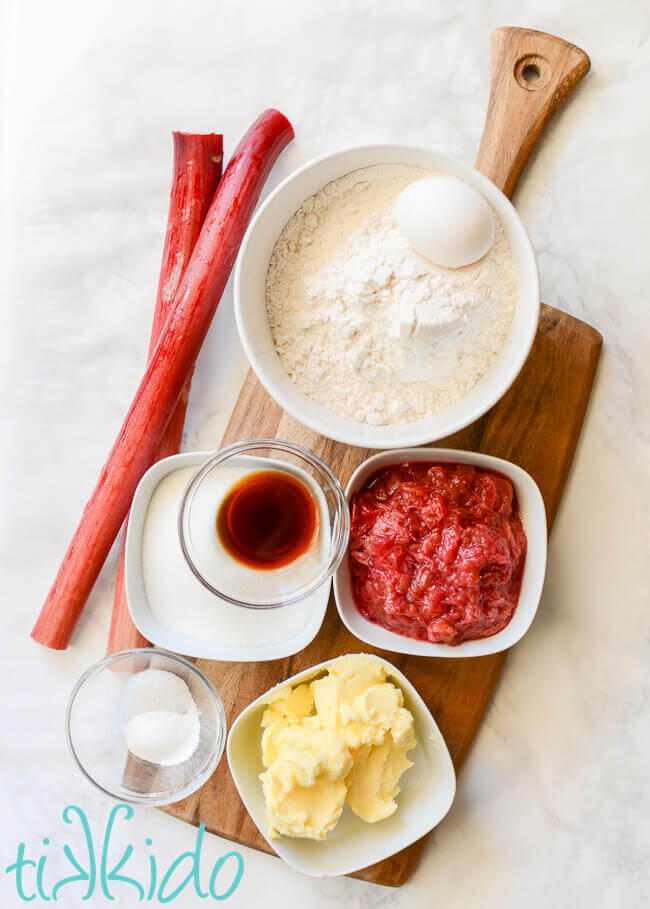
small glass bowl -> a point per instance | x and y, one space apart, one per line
221 471
97 740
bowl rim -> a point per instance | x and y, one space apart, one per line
536 530
210 766
338 545
423 709
417 432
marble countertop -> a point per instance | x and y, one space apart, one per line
553 805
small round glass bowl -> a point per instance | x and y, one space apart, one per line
243 585
95 729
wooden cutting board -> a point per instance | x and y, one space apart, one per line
536 425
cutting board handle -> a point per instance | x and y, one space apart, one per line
532 73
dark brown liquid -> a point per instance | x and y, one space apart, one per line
268 519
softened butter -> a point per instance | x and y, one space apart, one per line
343 737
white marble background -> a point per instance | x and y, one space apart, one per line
553 806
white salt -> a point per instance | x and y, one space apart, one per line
155 689
163 737
160 717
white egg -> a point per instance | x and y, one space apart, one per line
446 220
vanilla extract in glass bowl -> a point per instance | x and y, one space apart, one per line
263 524
268 519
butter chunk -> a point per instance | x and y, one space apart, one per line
304 786
309 813
372 784
289 702
378 703
342 737
347 677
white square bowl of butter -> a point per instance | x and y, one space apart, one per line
426 793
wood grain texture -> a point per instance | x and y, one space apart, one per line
536 425
519 109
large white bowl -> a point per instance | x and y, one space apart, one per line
533 517
427 790
255 333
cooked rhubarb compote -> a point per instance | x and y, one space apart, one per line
437 551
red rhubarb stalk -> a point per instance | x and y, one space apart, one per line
196 173
167 372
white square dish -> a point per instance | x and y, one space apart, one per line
427 790
155 631
533 514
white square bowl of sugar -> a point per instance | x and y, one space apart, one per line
171 607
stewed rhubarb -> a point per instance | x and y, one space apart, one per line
166 375
437 551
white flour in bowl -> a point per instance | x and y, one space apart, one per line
364 325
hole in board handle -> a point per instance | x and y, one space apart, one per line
532 72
